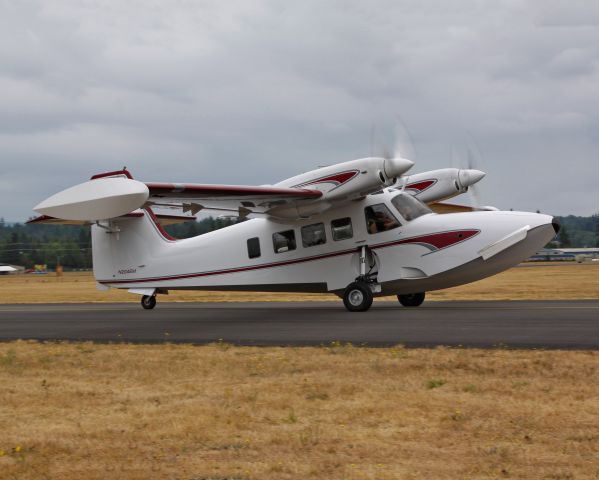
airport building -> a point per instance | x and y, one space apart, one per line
579 255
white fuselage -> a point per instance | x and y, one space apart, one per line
428 253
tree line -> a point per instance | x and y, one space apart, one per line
577 232
70 245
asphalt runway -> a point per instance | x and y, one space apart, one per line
539 324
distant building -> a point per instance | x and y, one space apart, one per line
564 255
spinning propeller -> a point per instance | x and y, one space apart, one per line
401 154
468 177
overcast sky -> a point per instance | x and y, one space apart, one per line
253 92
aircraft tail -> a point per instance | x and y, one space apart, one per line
128 244
126 234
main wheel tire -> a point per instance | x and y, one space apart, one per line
148 302
357 297
411 299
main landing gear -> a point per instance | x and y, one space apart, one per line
148 302
357 297
411 299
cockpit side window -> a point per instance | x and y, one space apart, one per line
380 219
409 207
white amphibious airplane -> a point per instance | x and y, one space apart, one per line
358 229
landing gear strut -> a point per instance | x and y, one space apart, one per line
358 295
411 299
148 301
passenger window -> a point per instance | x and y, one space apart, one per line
313 235
342 229
254 247
380 219
284 241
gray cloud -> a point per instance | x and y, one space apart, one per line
259 91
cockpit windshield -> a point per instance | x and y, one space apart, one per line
409 207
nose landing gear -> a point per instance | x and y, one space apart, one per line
411 299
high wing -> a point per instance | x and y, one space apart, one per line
300 196
440 207
238 199
114 194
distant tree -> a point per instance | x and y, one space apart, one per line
564 238
192 229
596 217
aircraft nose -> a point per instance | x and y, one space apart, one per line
470 177
394 167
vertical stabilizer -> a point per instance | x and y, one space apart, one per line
126 246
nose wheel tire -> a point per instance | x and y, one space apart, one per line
148 302
357 297
411 299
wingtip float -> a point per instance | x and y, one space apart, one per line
97 199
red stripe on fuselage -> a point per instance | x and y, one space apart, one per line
438 241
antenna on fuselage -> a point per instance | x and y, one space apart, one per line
405 183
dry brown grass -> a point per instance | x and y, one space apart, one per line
73 411
569 281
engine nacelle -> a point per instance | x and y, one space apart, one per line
351 180
437 185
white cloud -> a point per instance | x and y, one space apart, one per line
254 91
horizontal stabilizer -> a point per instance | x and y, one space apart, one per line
47 220
162 219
